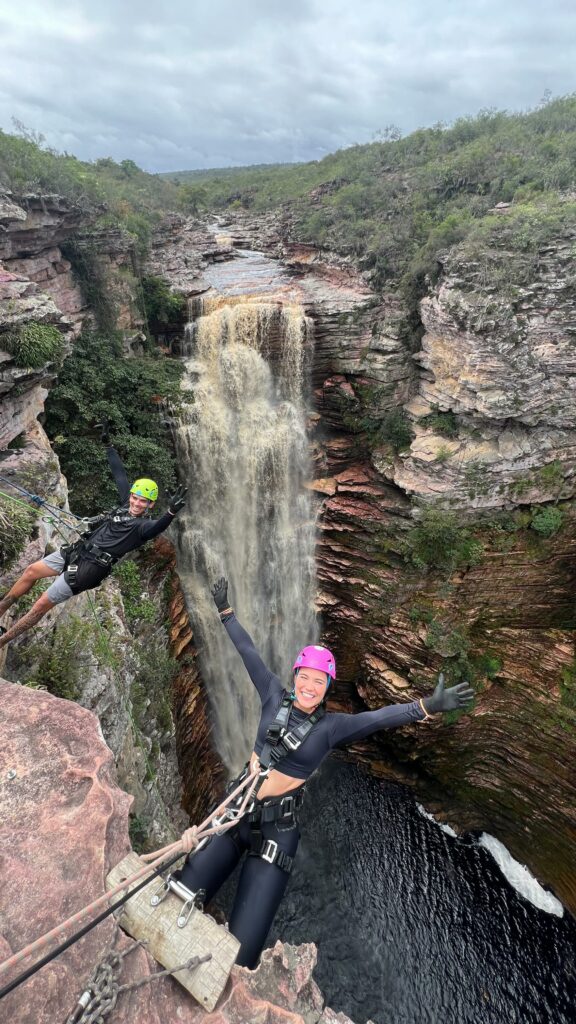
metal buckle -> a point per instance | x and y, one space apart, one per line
289 801
290 741
269 852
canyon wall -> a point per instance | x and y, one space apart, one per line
487 468
488 396
91 650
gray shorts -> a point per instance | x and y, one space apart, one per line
58 591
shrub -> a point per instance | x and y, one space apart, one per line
97 381
137 606
547 521
60 657
138 832
443 454
396 429
366 415
444 423
16 523
160 304
477 479
33 344
440 541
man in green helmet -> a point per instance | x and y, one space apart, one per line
85 564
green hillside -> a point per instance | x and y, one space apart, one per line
118 194
393 204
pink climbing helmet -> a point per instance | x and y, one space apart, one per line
319 658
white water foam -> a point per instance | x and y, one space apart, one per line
520 878
430 817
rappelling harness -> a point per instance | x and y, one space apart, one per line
86 564
282 810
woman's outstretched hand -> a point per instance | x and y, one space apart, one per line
220 594
453 699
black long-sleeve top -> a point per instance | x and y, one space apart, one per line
333 730
121 532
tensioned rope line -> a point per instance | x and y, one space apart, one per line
37 500
158 862
51 517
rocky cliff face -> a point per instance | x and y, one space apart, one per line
505 387
88 650
489 399
63 827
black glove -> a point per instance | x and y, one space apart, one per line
220 594
177 500
453 699
104 431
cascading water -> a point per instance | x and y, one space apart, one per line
243 440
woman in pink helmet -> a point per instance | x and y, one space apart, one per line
294 736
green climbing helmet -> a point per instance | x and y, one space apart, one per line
145 489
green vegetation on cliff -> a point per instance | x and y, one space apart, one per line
98 381
160 305
33 344
439 540
117 194
16 524
395 203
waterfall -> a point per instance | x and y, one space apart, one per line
242 439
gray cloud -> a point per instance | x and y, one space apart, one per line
190 84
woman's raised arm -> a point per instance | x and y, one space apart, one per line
263 678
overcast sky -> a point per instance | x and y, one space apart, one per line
176 84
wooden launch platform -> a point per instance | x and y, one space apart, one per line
171 945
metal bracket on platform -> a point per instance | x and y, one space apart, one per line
192 900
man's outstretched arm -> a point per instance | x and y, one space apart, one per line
152 527
118 472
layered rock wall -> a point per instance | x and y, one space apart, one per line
87 649
489 398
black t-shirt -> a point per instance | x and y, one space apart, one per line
121 532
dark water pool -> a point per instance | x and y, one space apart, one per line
412 925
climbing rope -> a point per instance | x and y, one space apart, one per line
158 862
102 989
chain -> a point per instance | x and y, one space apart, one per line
102 991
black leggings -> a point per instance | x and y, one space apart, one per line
260 886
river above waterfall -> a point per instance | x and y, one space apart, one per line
414 926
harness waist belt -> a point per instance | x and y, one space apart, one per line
278 809
100 556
